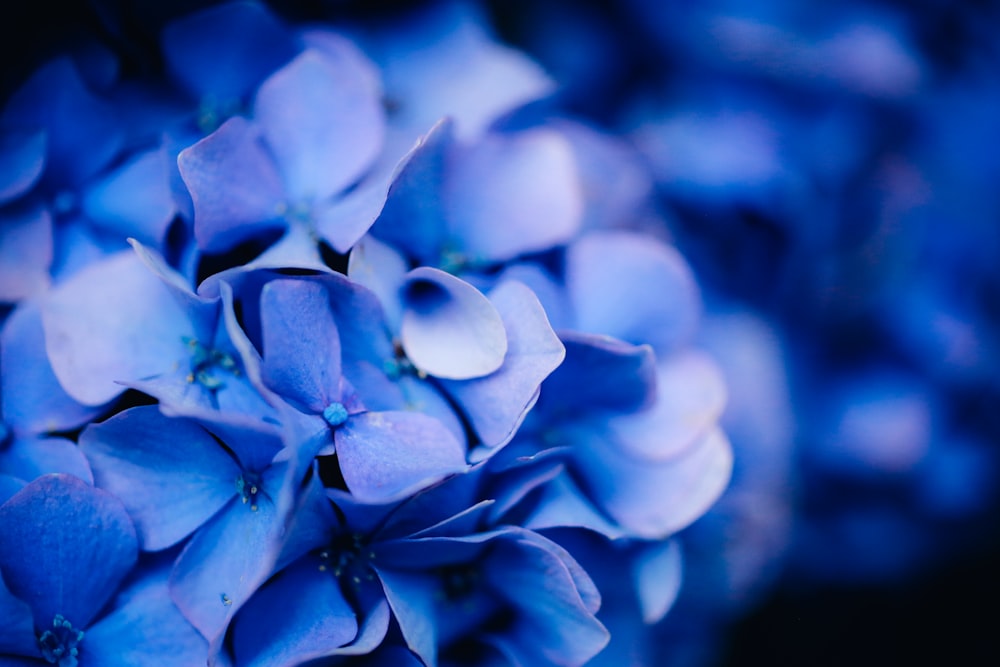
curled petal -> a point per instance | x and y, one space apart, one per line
450 329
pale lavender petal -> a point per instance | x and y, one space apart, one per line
387 455
32 457
513 194
656 499
690 397
234 184
657 573
450 329
322 121
632 287
383 270
112 321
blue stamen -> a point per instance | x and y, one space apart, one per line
335 414
59 646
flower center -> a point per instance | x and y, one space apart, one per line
458 581
248 486
60 645
206 362
348 558
335 414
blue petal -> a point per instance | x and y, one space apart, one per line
236 189
553 623
388 455
135 200
171 474
600 375
221 54
382 270
22 158
655 499
112 321
301 344
145 628
323 122
49 557
83 131
32 399
299 615
17 632
562 504
343 222
513 194
656 571
690 397
224 563
630 287
26 252
450 330
497 403
413 217
28 458
412 597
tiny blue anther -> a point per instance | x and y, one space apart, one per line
335 414
60 645
248 486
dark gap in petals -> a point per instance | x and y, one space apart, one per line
176 242
332 258
241 254
329 472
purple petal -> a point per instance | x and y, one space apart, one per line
49 557
630 287
387 455
513 194
497 403
222 53
25 252
344 222
204 312
561 504
31 397
690 397
135 200
450 330
236 189
224 563
323 122
112 321
656 499
171 474
22 158
301 345
145 628
300 615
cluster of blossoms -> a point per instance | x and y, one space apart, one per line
336 345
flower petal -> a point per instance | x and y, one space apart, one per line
49 557
26 252
22 158
631 287
323 122
387 455
513 194
450 329
236 189
299 615
301 351
112 321
171 474
497 403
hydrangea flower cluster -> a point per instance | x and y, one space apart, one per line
336 345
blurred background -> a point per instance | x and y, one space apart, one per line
830 170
